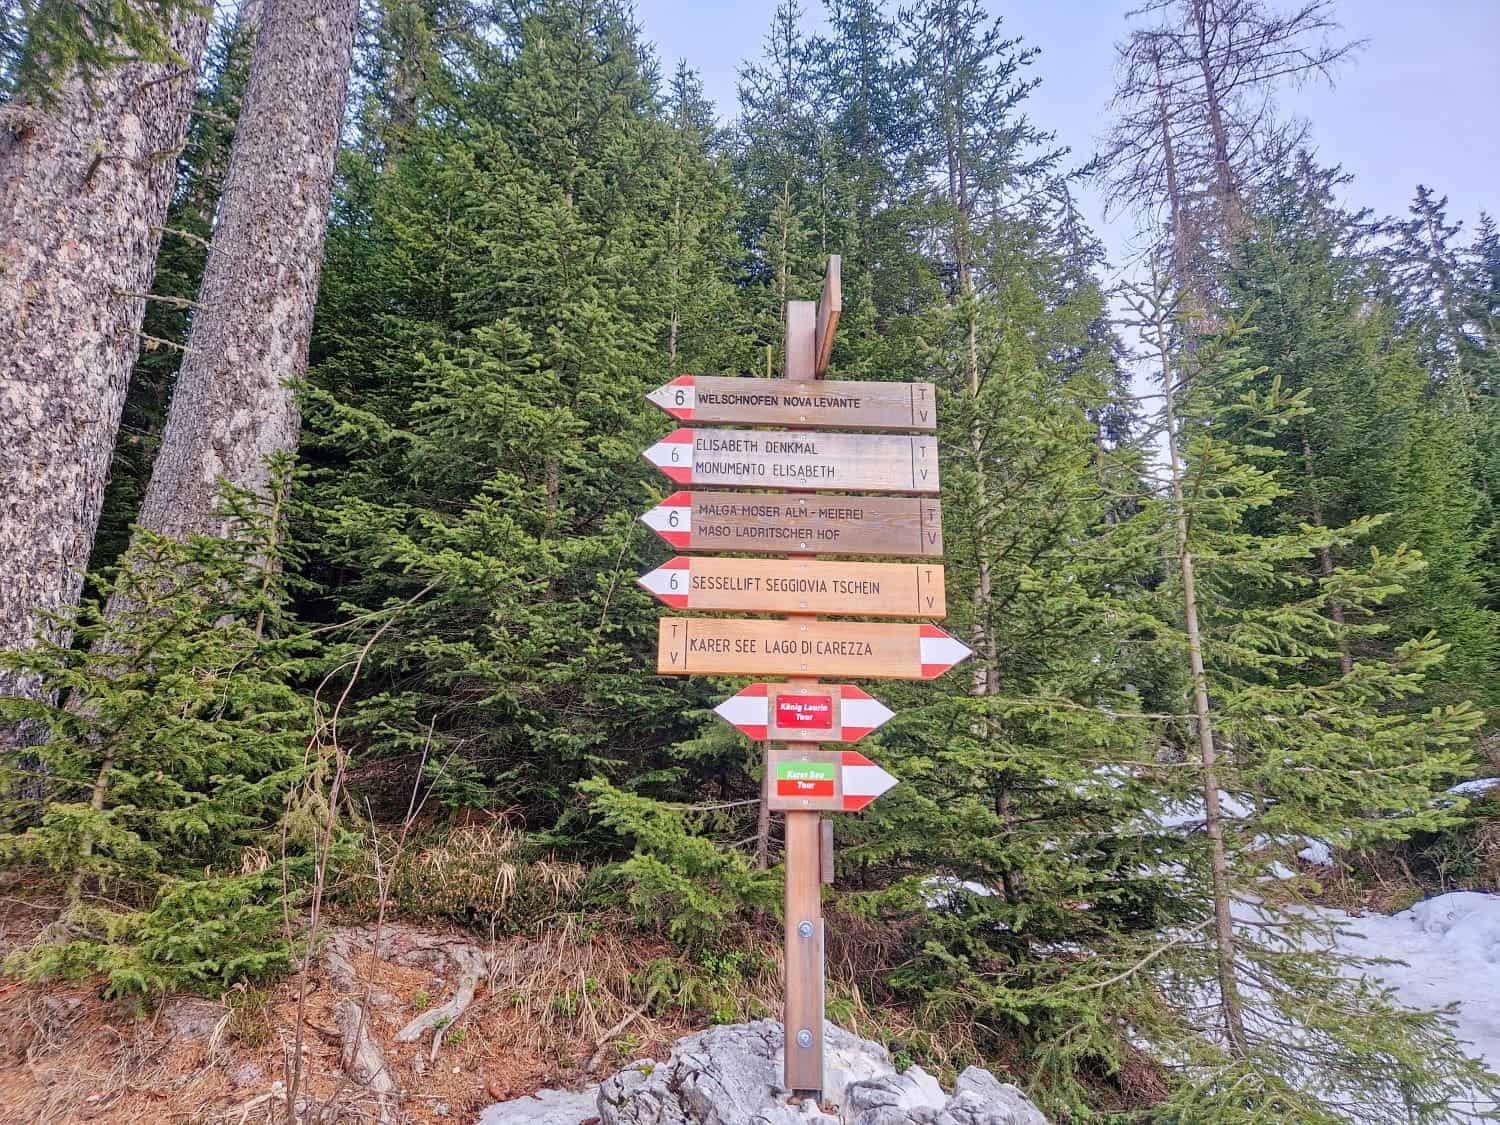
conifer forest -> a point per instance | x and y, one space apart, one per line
330 716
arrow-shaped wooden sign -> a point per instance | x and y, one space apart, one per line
871 650
777 523
821 780
804 712
791 402
798 460
852 589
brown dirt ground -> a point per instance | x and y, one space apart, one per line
66 1055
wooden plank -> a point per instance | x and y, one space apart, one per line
799 585
875 650
811 461
776 523
825 851
847 405
803 1013
830 305
801 340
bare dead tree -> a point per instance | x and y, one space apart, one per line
1196 103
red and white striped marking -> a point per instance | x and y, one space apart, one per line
863 780
678 398
672 519
941 651
673 455
859 713
670 581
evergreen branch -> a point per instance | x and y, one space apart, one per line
1144 961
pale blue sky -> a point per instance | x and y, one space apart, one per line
1419 104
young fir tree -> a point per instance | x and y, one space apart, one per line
168 765
1376 442
493 322
1282 744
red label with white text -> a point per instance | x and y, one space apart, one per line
804 712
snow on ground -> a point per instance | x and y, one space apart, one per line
1476 788
1450 946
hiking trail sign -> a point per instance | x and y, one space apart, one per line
778 523
805 712
862 650
799 586
789 402
824 781
811 484
793 459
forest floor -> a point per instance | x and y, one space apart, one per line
66 1055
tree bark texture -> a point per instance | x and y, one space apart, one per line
84 190
234 406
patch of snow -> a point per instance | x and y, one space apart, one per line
1281 871
1317 852
1193 813
940 891
1449 953
1479 787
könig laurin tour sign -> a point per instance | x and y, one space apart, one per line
824 501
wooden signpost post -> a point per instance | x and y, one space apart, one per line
801 779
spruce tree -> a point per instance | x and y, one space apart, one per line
168 765
1282 744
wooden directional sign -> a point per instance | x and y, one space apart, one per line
788 402
810 460
822 780
804 712
873 650
774 523
852 589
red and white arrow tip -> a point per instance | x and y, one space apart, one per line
673 455
863 781
672 519
941 651
668 582
750 713
677 398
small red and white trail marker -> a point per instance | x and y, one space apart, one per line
817 712
823 781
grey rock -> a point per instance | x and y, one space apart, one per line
191 1018
247 1073
979 1098
895 1099
732 1076
545 1107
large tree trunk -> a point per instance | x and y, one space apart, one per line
84 190
233 407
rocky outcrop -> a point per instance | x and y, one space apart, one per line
732 1076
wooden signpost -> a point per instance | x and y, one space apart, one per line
774 523
786 402
792 459
802 780
862 650
800 586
